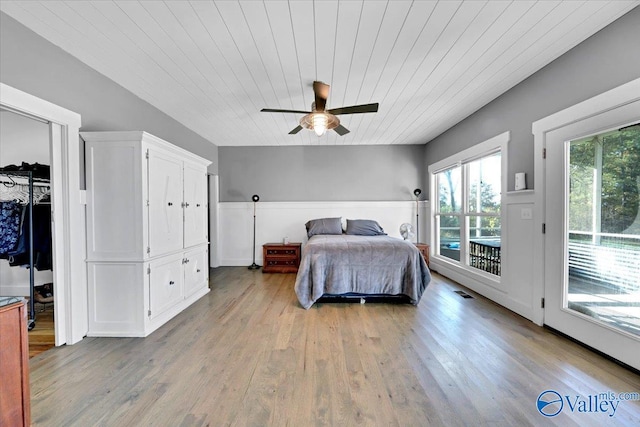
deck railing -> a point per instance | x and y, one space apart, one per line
614 262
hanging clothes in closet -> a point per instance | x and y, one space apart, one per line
14 219
42 252
10 215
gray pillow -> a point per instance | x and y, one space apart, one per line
324 226
364 227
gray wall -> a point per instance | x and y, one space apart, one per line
321 173
606 60
34 65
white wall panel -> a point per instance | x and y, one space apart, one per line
518 257
276 220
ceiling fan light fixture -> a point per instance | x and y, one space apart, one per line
319 121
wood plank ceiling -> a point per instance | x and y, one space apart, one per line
212 65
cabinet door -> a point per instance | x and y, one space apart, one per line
195 206
115 222
165 203
166 286
196 271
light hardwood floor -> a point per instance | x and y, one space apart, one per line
247 354
43 336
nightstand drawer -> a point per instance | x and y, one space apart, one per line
282 263
282 252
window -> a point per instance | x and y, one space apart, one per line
467 215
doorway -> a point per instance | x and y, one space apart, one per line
69 242
591 214
25 197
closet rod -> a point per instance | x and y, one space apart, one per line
13 182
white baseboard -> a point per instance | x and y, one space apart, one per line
494 294
14 281
14 291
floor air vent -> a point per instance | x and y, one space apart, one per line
463 294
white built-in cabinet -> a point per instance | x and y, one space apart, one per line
147 243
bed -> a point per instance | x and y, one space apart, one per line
360 266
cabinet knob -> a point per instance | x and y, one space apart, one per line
170 204
186 205
197 205
172 282
198 270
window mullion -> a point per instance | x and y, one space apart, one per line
464 217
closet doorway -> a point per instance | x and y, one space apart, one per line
26 268
68 220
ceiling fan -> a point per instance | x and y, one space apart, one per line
319 119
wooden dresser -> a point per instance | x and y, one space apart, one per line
15 398
281 258
424 250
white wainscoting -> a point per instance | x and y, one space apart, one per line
516 288
276 220
214 221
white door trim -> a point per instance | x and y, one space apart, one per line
614 98
70 284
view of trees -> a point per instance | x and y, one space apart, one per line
478 203
449 196
618 153
489 203
481 173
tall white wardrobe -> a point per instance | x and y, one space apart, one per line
147 243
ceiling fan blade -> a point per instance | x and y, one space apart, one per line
355 109
322 93
341 130
277 110
295 130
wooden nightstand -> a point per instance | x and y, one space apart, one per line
424 250
281 258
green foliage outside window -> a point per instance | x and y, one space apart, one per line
614 158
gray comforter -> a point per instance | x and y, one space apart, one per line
346 264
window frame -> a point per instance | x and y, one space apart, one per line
492 146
